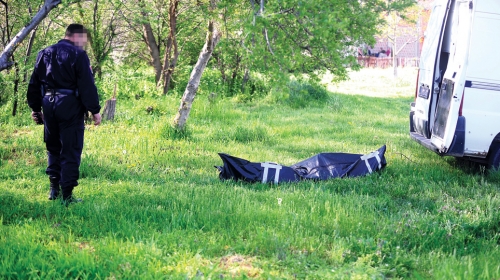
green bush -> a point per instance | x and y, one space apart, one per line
212 82
173 133
255 88
130 83
303 94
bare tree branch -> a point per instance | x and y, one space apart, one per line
267 41
409 41
11 47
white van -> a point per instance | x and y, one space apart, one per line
457 98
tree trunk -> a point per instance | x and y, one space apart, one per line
213 37
150 40
110 107
236 68
170 61
28 53
395 53
170 71
16 41
153 49
220 64
95 21
246 77
16 88
395 66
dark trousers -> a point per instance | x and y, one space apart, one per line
63 135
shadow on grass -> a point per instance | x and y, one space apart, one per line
475 168
17 208
468 166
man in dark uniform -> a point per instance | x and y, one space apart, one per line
63 85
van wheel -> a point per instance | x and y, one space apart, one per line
494 156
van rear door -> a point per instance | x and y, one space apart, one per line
430 71
451 93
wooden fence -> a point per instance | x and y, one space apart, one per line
384 62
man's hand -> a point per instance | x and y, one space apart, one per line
97 119
37 117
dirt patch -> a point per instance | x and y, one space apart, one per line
17 133
237 265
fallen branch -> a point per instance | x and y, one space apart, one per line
402 155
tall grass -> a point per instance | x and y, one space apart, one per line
154 207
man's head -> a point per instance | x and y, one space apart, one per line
77 34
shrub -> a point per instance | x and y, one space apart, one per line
303 94
212 81
173 133
130 83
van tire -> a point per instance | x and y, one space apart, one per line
494 156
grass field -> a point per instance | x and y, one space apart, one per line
154 207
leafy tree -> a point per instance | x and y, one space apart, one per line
213 37
282 37
279 38
156 23
102 25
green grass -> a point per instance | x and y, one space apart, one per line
154 207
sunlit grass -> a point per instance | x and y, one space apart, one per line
377 82
154 206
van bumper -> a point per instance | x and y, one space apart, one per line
457 145
424 141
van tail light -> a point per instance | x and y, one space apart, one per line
416 85
461 104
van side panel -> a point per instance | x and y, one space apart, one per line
487 6
484 52
481 109
481 106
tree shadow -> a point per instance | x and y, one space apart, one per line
17 208
468 166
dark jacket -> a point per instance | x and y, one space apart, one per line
63 66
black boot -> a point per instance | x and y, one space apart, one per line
54 188
67 196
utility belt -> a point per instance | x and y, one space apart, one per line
58 91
